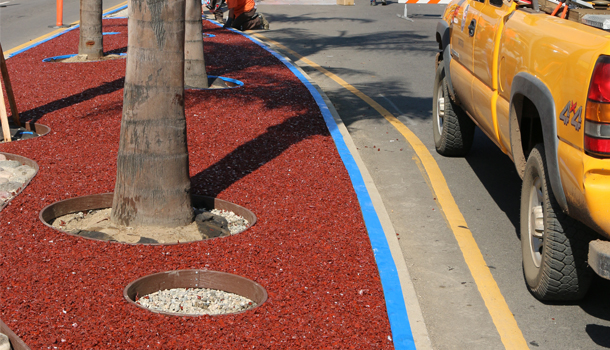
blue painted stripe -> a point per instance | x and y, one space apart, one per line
111 33
397 312
42 41
115 10
55 58
234 81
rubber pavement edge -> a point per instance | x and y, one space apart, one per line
416 319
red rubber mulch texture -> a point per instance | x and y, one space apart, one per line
263 146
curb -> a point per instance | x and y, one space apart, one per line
35 42
416 319
408 329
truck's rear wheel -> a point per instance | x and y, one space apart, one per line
554 246
453 129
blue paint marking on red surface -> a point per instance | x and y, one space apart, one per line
397 312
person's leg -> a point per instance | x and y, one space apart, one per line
247 20
257 21
254 22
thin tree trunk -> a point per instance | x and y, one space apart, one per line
152 183
195 75
91 42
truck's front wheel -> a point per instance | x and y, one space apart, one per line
453 129
554 246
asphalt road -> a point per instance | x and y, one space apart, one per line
392 61
25 20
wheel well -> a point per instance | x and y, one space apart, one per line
531 127
439 40
439 55
526 130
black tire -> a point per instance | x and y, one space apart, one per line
453 129
554 246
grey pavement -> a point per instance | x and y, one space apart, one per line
392 61
25 20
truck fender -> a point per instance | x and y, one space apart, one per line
526 85
443 36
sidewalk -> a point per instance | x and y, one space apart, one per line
264 146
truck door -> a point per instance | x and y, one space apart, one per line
489 27
462 45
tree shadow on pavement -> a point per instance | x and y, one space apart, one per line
117 51
254 154
349 106
313 17
307 43
405 106
35 114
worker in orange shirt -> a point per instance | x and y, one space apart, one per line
243 16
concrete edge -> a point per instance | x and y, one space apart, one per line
14 340
416 318
50 36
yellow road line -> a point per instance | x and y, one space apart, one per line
115 7
503 319
56 31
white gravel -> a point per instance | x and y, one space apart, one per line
237 223
195 301
13 176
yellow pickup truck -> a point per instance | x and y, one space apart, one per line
538 85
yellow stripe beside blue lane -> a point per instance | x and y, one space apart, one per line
54 34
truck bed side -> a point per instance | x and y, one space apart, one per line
562 60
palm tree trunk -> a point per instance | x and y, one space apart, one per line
152 183
90 42
195 75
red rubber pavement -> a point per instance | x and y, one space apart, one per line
263 146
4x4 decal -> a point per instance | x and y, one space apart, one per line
568 110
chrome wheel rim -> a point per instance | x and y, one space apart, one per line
440 108
536 221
